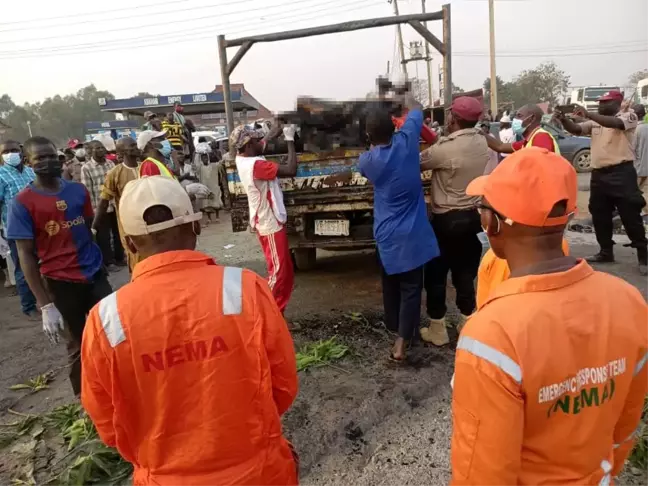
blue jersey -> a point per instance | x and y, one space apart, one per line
402 230
57 224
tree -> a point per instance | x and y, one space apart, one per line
544 83
456 89
638 76
420 91
58 118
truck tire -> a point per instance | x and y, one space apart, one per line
305 258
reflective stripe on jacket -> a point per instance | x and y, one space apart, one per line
542 130
161 167
187 370
550 380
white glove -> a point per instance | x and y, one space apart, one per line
289 133
52 322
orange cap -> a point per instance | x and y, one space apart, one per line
526 186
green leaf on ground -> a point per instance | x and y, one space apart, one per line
321 353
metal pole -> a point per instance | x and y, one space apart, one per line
493 71
29 128
428 60
227 95
447 57
401 47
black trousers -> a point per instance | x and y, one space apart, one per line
402 301
108 240
613 188
461 250
74 300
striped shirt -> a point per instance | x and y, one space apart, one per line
12 181
174 133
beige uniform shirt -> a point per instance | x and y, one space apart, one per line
456 160
611 146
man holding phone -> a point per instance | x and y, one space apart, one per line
614 178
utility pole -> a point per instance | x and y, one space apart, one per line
428 61
493 71
399 32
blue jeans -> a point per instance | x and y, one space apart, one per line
27 299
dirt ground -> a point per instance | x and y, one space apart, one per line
364 421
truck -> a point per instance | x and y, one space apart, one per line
334 216
588 96
323 211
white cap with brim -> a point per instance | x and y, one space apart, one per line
147 135
142 194
505 119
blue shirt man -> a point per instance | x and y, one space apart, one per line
14 176
405 239
402 231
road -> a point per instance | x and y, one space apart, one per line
364 422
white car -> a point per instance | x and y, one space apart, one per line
208 136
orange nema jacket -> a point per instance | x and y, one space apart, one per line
187 371
493 271
550 380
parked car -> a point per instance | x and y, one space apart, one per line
575 149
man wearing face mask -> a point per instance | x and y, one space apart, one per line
613 184
50 221
526 125
14 177
77 147
551 371
156 150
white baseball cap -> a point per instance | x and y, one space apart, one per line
106 140
505 119
147 135
141 194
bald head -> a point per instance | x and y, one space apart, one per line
127 151
531 109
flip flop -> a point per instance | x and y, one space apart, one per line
394 359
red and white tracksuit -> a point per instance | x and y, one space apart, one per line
268 217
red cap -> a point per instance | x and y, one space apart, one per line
74 143
525 187
612 95
467 108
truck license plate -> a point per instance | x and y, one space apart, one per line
332 227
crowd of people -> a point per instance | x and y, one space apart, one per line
188 368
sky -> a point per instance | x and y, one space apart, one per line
169 47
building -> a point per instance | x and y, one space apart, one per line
206 110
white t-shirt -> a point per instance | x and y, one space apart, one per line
265 198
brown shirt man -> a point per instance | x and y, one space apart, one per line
456 160
609 145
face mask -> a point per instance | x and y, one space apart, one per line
517 126
166 148
13 159
80 153
50 168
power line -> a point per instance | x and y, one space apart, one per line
289 3
129 16
468 54
585 47
165 40
84 14
213 30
